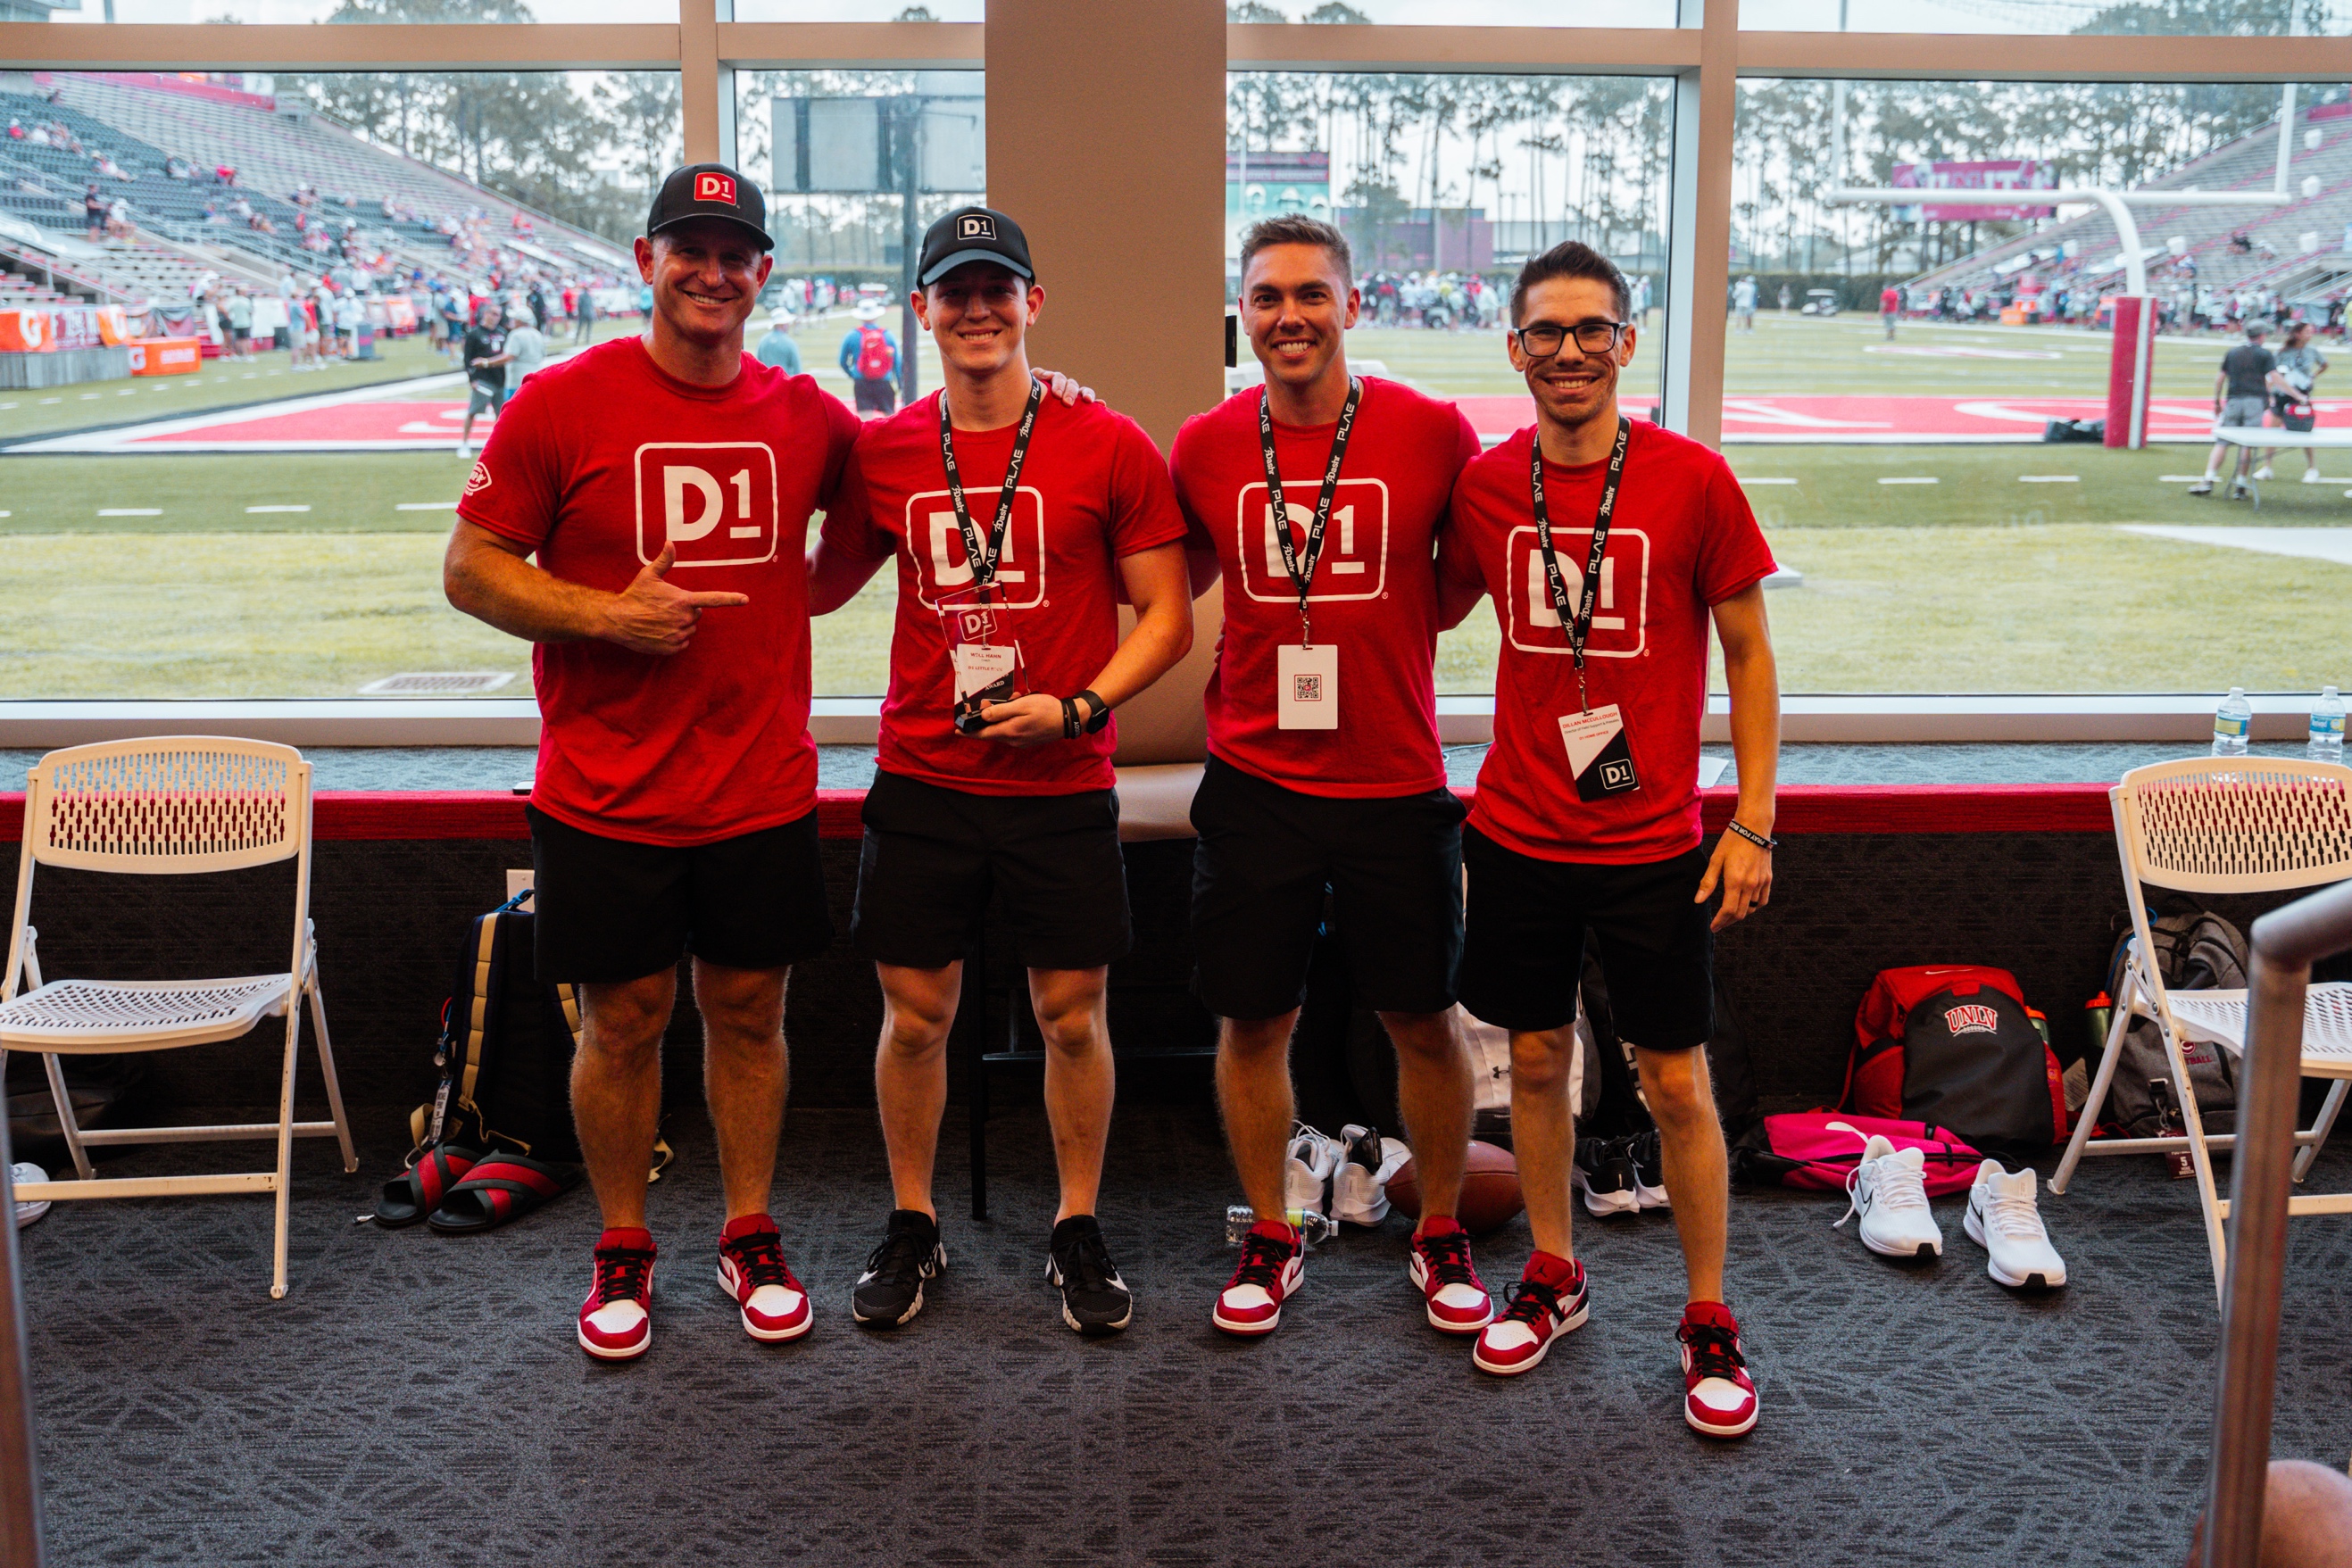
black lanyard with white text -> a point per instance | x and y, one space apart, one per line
1577 620
983 563
1302 569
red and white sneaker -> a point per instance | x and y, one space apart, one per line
1718 1397
1549 1300
1273 1266
752 1271
616 1320
1441 1266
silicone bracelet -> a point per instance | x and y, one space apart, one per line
1753 837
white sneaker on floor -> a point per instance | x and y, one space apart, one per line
1887 1190
1306 1175
2004 1222
2312 476
1360 1186
20 1173
2264 473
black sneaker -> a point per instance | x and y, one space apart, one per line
1095 1300
1605 1176
890 1292
1649 1170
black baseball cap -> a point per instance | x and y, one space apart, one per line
709 190
974 234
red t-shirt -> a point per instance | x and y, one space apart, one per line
1889 300
1374 597
1683 540
1093 489
596 463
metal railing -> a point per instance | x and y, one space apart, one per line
2286 943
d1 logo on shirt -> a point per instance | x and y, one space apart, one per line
1621 607
1355 560
715 500
942 564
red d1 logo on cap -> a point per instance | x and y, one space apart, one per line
710 187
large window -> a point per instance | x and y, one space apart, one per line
1895 375
2143 18
199 499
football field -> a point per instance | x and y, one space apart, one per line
253 533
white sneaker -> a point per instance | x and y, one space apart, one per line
2264 473
20 1173
1889 1193
464 452
1308 1175
2004 1220
1359 1190
2311 477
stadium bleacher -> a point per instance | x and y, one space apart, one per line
2273 260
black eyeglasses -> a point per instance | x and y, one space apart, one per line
1543 339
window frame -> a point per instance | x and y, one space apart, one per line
1705 55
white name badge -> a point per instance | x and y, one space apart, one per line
1598 754
980 665
1307 687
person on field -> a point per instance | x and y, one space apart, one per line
777 347
1609 545
1017 523
2293 381
2241 396
1319 497
869 357
1890 309
673 813
484 359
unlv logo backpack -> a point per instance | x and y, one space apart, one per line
873 353
1954 1045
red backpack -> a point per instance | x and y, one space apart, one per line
1954 1045
873 356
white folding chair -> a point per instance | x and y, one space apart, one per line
2221 824
171 807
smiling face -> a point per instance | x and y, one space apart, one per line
1571 387
979 315
705 275
1296 303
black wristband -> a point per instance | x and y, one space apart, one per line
1069 719
1098 714
1753 837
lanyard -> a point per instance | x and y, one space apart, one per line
1302 571
983 563
1579 621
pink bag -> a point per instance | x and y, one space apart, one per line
1815 1150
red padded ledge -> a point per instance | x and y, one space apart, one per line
1803 808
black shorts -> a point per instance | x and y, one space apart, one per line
1523 951
612 909
1394 867
933 857
481 398
875 394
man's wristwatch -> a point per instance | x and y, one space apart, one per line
1097 714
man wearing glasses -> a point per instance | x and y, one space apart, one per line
1607 546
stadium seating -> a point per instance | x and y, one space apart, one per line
2276 262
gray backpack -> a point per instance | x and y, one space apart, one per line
2196 950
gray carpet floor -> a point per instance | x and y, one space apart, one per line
418 1399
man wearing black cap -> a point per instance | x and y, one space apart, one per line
1017 523
656 478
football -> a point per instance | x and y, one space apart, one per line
1490 1190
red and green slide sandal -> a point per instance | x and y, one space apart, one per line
417 1191
500 1187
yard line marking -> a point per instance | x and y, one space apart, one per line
426 507
1767 481
250 510
1913 479
2049 478
128 392
51 400
130 511
5 406
90 397
2182 478
7 514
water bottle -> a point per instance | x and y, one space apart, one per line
2234 721
2327 741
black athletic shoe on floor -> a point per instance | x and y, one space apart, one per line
1095 1300
1649 1163
1605 1175
890 1292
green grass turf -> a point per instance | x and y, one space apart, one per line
1980 582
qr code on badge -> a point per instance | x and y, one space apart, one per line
1307 688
